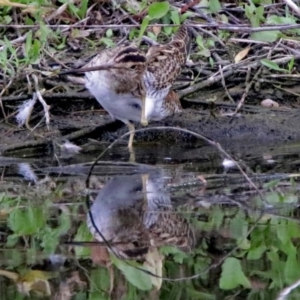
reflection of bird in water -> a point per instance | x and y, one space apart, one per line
137 86
132 222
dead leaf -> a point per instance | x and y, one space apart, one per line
32 280
156 30
269 103
100 256
154 264
242 54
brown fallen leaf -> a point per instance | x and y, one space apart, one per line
242 54
156 30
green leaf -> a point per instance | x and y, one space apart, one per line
107 41
179 255
265 36
100 280
277 20
214 6
109 33
175 17
158 9
271 65
291 268
136 277
291 64
83 8
256 253
143 28
232 275
25 222
272 183
83 234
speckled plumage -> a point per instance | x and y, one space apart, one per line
141 82
133 215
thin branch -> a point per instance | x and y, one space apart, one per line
42 101
240 28
224 85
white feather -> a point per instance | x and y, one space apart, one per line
24 110
26 171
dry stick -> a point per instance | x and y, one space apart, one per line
46 140
249 41
224 85
59 11
293 6
42 101
90 69
1 93
286 291
248 87
240 28
233 69
254 79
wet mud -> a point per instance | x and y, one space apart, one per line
264 127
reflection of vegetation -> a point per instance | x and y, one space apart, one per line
228 261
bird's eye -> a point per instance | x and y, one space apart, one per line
136 106
133 67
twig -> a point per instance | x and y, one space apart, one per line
1 94
293 6
286 291
250 84
94 68
240 28
42 101
248 87
59 11
247 41
233 69
224 85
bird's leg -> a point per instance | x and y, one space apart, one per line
144 121
145 198
130 142
131 128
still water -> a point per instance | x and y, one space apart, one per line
179 223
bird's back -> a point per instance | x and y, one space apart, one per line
165 61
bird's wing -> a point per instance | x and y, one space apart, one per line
165 61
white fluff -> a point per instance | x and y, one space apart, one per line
227 163
26 171
24 110
70 147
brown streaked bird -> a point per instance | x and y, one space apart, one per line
133 214
137 87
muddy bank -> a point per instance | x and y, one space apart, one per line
267 126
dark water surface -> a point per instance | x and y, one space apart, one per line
177 224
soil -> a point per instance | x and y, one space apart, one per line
85 119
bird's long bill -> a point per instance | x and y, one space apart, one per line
144 121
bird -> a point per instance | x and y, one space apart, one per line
134 213
137 86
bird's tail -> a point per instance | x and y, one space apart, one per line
183 35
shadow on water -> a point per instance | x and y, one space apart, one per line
180 224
